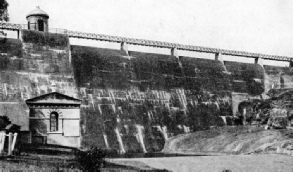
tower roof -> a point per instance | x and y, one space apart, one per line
37 12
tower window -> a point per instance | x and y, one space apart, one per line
54 121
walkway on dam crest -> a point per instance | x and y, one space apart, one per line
143 42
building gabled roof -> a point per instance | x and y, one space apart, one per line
37 12
53 98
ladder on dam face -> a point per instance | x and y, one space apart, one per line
143 42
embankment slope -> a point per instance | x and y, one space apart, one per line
233 140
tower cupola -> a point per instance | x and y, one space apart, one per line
38 20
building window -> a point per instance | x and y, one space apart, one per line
54 121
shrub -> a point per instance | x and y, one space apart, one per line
45 38
91 160
13 47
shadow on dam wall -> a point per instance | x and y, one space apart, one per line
130 102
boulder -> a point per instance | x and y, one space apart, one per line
279 122
278 118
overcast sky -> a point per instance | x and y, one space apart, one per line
262 26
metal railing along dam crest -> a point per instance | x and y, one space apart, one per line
151 43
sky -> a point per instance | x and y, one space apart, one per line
260 26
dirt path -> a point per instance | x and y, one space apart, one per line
230 163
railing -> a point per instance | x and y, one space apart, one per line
143 42
160 44
57 30
24 26
11 142
10 26
51 30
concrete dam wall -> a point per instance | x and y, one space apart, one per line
130 102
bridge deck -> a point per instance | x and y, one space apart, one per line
159 44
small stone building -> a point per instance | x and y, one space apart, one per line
38 20
54 118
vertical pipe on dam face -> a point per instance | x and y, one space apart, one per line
91 100
119 139
165 132
185 129
106 140
224 119
140 137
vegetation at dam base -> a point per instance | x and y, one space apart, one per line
91 160
12 47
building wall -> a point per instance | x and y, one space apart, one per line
68 133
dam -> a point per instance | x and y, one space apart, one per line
121 100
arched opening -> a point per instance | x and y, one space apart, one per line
41 25
54 117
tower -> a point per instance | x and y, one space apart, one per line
38 20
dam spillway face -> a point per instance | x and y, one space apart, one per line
131 102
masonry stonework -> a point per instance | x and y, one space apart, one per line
130 101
